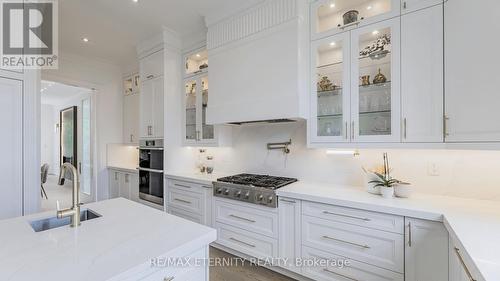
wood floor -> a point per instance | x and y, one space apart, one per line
247 272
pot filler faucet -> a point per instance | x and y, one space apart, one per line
74 211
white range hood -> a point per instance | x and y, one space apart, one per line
258 64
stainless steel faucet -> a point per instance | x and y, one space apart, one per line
74 211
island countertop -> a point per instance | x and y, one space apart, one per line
126 236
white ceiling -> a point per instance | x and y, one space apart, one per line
56 93
114 27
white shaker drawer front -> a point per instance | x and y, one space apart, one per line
187 186
248 218
375 247
250 243
373 220
354 271
186 215
188 201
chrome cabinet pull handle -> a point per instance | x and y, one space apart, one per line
352 130
445 126
347 216
346 131
338 274
242 218
346 242
168 278
288 201
462 262
183 201
404 128
404 5
409 234
241 242
181 185
150 76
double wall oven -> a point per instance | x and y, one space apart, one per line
151 170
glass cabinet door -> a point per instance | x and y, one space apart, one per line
207 131
196 62
333 16
375 83
190 105
330 88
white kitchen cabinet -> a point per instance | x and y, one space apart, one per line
471 71
196 62
123 184
408 6
192 201
289 229
330 106
350 105
196 130
131 118
375 106
460 268
151 66
327 16
422 92
11 163
114 183
426 251
152 108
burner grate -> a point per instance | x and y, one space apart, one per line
264 181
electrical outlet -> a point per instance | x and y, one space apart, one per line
432 169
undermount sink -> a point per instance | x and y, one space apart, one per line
54 222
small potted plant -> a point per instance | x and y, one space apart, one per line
385 181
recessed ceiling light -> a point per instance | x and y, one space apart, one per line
85 39
332 5
369 7
198 55
375 32
332 43
135 1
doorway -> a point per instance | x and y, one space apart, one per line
67 135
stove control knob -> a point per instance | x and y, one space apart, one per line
260 197
270 199
238 194
226 191
247 195
219 190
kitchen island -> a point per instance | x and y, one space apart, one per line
129 241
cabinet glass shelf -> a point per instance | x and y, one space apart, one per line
375 87
335 92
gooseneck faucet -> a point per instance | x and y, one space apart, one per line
74 211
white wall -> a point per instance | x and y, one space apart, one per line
473 174
107 79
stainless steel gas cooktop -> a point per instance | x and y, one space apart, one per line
251 188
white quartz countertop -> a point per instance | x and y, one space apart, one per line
474 223
126 236
125 169
200 178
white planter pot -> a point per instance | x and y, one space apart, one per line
387 192
403 190
370 187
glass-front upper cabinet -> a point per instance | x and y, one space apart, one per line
329 17
197 131
375 76
190 105
196 62
330 100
